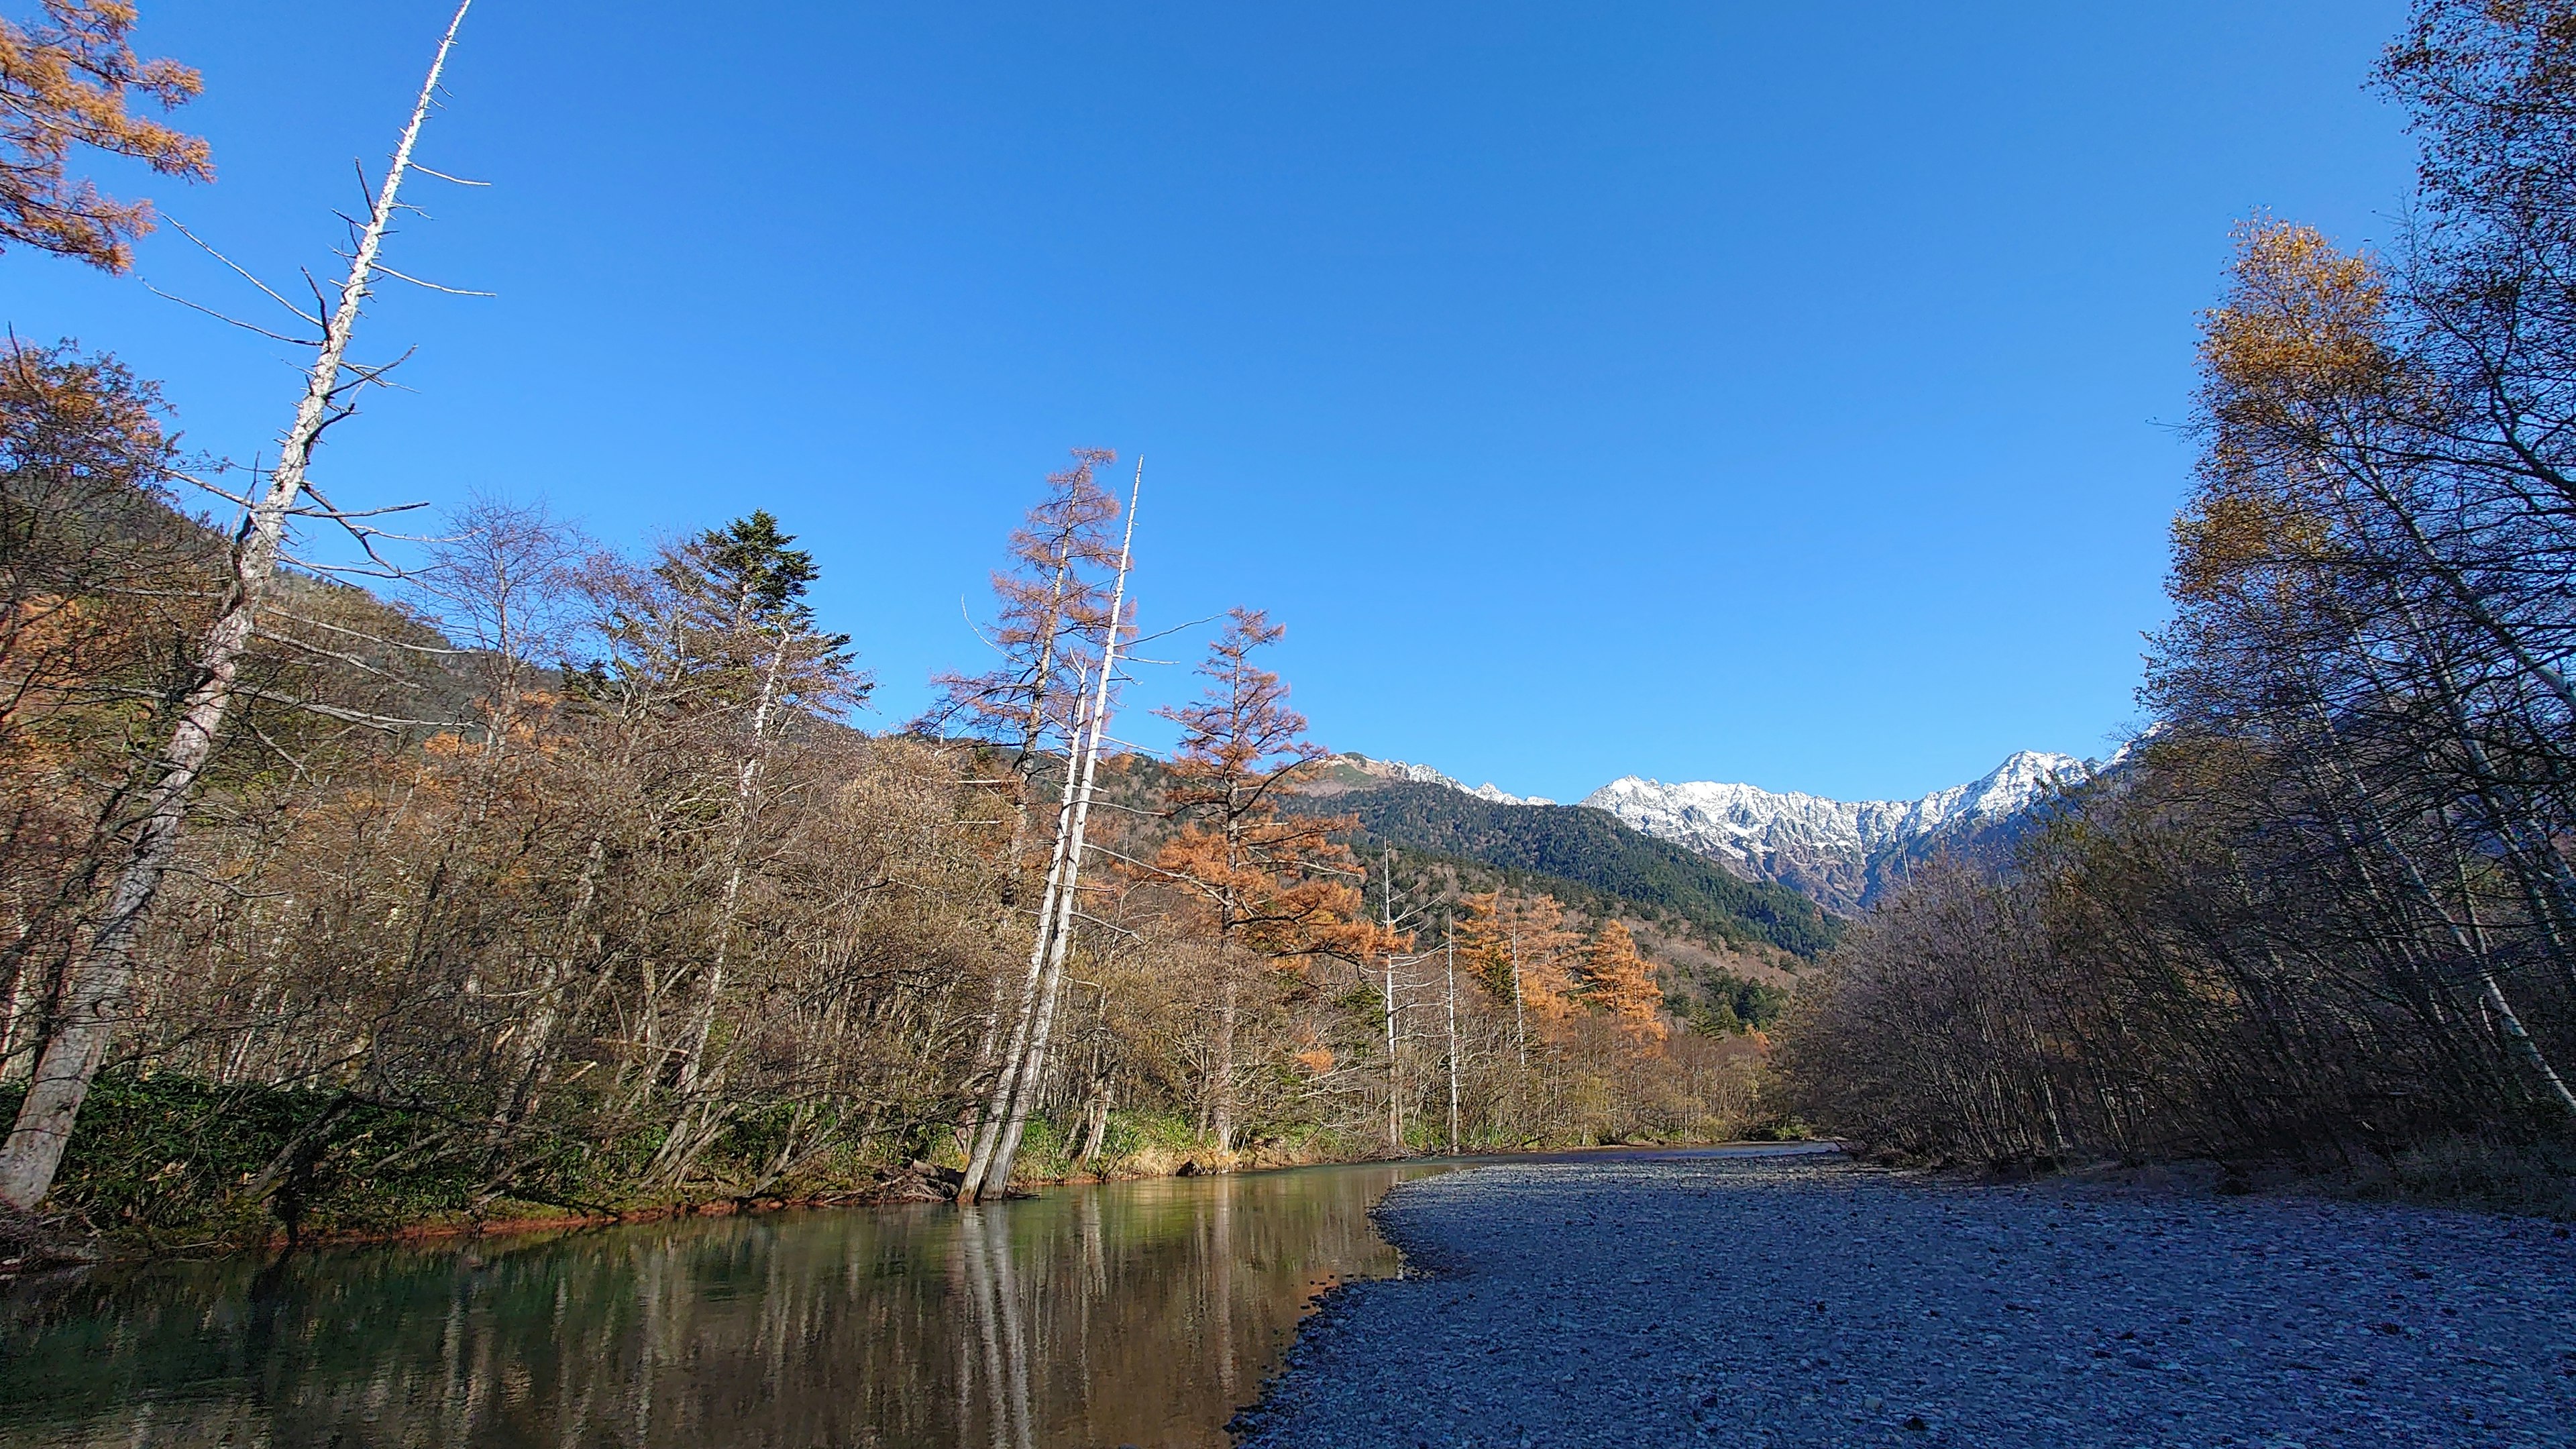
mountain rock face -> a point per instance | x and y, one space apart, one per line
1425 775
1842 854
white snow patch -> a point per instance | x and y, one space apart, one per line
1734 822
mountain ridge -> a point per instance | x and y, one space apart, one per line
1841 854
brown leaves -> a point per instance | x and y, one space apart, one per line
1508 938
1277 885
1052 598
66 82
1618 981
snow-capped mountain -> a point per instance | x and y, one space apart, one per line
1425 775
1841 853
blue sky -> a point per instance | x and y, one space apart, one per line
1778 393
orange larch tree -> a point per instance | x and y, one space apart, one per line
1274 886
1618 982
1518 946
64 82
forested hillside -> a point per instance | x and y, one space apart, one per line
1719 973
1596 852
1713 985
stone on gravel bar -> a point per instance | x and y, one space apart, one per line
1808 1300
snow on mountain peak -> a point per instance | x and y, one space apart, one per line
1830 849
1425 775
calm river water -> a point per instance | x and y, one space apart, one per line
1136 1313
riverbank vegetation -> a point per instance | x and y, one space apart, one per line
2324 912
459 927
349 882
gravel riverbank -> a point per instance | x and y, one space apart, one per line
1806 1300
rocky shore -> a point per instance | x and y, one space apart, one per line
1802 1299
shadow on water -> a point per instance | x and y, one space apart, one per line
1136 1313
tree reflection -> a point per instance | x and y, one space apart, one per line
1136 1313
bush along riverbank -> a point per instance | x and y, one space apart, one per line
169 1164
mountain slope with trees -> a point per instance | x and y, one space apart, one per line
1592 849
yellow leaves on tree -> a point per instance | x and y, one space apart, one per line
65 82
2295 371
1618 982
95 573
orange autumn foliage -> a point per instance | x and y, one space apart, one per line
65 81
1277 885
1501 931
1618 982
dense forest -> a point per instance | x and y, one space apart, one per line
1594 854
2325 913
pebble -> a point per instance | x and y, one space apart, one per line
1812 1301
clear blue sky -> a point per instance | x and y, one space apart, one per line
1764 392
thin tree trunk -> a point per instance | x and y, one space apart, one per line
693 1049
1032 1069
100 980
1096 1120
1449 953
1394 1079
987 1131
1221 1122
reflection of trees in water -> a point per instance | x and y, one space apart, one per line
1137 1313
994 1310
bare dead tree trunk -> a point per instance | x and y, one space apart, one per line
1394 1079
1031 1072
100 980
1520 1009
988 1125
1449 957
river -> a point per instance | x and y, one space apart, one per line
1139 1313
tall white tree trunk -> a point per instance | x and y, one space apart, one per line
1031 1073
1032 731
1520 1010
1394 1081
98 983
987 1137
1015 1087
1449 959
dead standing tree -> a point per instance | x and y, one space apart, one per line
1022 1069
1049 596
96 987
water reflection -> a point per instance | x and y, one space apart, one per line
1133 1313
